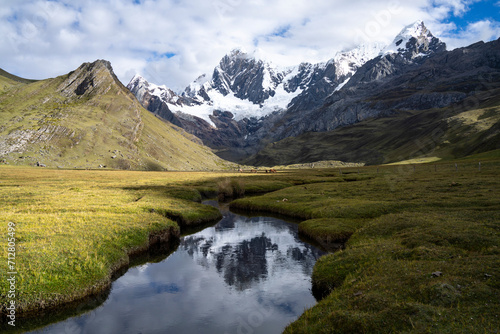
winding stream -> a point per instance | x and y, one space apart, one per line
243 275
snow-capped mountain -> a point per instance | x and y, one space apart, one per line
154 97
414 41
248 100
250 87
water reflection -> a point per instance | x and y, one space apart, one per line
244 275
245 251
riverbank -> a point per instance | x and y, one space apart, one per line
421 253
74 229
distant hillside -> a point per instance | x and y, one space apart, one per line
88 119
445 133
8 80
5 74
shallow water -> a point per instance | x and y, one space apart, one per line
243 275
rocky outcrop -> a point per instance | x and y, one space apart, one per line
90 79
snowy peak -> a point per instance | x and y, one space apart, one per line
415 41
249 85
139 86
198 88
247 77
138 79
347 62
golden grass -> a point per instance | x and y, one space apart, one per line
416 161
74 228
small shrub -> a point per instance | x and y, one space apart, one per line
230 188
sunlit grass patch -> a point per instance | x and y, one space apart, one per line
428 266
320 200
331 233
422 160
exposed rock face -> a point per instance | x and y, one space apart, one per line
391 83
415 72
248 78
89 79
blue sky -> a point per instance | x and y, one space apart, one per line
475 12
172 42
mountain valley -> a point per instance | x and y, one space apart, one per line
374 104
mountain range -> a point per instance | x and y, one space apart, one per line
253 111
373 104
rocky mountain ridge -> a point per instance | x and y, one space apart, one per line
224 110
249 103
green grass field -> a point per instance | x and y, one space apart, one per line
75 228
422 254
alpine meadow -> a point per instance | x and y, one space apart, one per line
289 188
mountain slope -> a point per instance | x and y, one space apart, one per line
444 133
8 81
87 119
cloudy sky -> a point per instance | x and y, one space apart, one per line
172 42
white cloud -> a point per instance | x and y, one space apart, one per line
458 7
485 30
47 38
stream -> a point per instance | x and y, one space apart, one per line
242 275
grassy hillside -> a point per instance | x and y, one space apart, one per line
8 81
453 132
88 119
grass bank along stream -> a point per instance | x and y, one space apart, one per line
75 228
422 252
422 249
